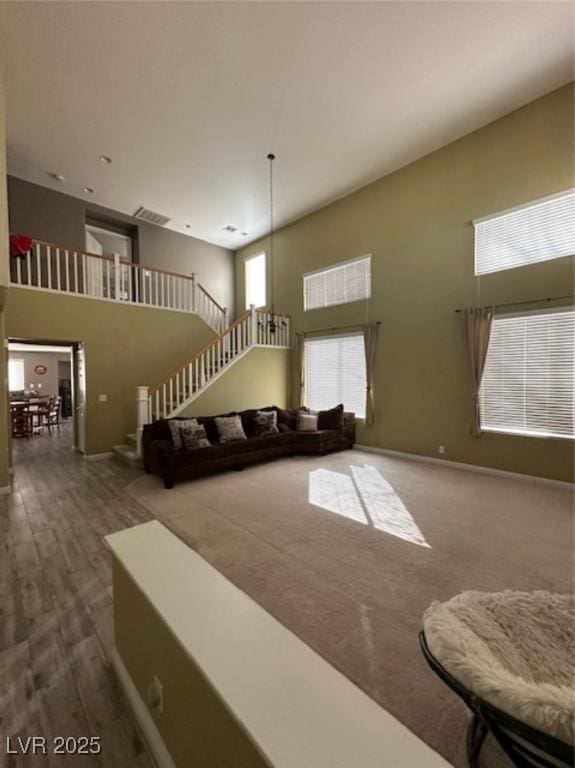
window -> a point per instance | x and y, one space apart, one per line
340 284
335 373
256 281
528 379
16 375
539 231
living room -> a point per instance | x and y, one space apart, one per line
323 428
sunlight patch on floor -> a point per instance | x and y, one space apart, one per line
365 497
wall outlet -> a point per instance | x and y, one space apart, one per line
441 449
102 398
156 695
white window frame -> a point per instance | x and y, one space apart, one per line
515 431
534 232
19 360
330 337
246 260
333 268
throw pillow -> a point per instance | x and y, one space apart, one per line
289 418
266 423
284 428
230 428
332 419
307 422
175 426
194 437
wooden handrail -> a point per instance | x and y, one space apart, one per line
191 359
210 297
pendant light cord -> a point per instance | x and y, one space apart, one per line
271 158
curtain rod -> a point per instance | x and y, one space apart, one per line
527 301
339 328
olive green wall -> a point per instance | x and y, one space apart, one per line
126 347
416 223
4 280
196 726
260 378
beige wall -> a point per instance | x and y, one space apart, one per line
260 378
416 223
126 346
48 380
195 725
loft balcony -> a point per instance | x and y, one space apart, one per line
57 269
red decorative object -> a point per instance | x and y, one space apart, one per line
20 245
40 370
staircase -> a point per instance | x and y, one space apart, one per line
178 390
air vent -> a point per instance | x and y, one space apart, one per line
152 217
229 228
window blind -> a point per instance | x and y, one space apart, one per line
528 379
540 231
335 373
340 284
256 281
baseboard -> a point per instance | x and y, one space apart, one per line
98 456
145 720
468 467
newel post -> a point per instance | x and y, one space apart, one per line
142 414
253 325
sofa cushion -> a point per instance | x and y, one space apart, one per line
176 426
331 419
266 423
193 437
307 422
230 428
289 418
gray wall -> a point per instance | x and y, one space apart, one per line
53 216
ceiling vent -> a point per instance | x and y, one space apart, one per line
229 228
152 217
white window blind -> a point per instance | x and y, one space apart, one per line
16 374
335 373
340 284
256 281
528 379
540 231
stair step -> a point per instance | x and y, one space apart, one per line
127 454
132 440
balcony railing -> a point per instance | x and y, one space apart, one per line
51 267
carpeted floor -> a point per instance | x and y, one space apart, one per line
352 572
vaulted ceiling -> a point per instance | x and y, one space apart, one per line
188 98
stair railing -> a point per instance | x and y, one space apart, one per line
52 267
170 396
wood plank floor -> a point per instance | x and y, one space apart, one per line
56 628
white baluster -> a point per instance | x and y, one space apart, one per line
67 269
38 266
75 258
49 263
84 275
58 269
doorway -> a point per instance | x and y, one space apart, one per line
47 390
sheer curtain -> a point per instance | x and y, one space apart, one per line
370 343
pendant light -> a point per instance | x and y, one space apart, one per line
272 322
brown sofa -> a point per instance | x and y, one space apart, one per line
336 431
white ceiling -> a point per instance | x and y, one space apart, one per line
188 98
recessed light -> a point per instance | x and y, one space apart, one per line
229 228
188 226
244 234
105 159
89 190
56 176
